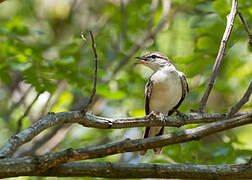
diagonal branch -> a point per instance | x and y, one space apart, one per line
242 101
221 53
85 109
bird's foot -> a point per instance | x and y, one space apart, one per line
161 115
184 116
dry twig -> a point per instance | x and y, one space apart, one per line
84 110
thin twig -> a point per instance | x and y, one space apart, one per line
20 120
84 110
242 101
246 27
221 53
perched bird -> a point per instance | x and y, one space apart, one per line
164 91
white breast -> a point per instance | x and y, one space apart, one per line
166 90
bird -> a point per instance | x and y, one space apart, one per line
164 92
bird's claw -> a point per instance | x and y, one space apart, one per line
161 115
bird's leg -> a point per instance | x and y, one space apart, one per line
184 116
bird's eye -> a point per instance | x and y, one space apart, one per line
153 56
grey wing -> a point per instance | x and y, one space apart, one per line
147 95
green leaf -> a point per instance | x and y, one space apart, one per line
221 7
70 49
113 95
39 79
205 43
65 61
20 67
21 58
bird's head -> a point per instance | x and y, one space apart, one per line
154 60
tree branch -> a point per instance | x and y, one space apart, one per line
90 120
242 101
22 167
221 53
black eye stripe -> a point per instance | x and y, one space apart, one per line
155 56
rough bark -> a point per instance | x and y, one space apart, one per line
25 167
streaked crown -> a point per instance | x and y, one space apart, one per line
154 60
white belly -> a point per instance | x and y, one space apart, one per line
166 91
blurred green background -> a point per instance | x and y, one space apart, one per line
44 62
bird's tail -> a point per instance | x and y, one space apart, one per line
150 132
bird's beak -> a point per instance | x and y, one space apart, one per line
142 60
